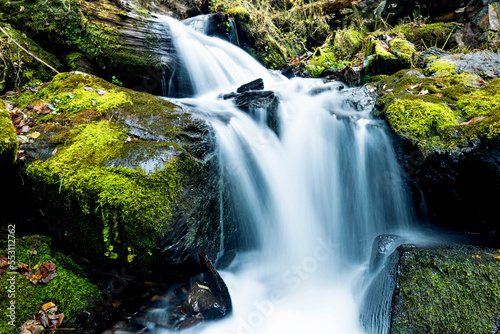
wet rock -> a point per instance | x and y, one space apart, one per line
383 246
257 84
483 64
487 18
258 99
385 55
215 283
200 299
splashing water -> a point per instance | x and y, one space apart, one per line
309 202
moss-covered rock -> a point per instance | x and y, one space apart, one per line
101 35
8 139
71 291
123 173
453 289
429 35
440 113
384 57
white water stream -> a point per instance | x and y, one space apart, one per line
310 201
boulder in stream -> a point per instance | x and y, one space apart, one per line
124 176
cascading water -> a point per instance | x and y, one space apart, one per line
309 201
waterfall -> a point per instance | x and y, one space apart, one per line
309 201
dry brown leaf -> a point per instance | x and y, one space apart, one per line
475 119
48 306
411 87
4 262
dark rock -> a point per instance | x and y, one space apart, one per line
446 10
258 99
457 190
215 283
201 300
267 100
383 246
432 52
350 75
257 84
190 322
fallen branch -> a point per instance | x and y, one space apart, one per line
32 55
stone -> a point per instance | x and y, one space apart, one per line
483 64
215 283
200 299
257 84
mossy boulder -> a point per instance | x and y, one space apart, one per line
386 55
441 114
429 35
450 289
107 37
483 64
71 290
8 139
124 175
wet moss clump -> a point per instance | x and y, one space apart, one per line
429 35
385 58
449 290
440 114
8 139
71 291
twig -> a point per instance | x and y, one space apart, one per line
32 55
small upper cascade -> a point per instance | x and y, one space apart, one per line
212 65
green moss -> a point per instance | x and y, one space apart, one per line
133 207
480 102
240 14
8 139
421 122
20 69
461 94
430 35
404 51
439 66
455 290
70 290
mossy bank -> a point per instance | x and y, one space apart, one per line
453 289
124 176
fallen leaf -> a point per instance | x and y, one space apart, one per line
2 271
25 129
495 256
115 304
48 306
438 94
423 92
33 252
49 265
475 119
476 256
4 262
35 135
411 87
